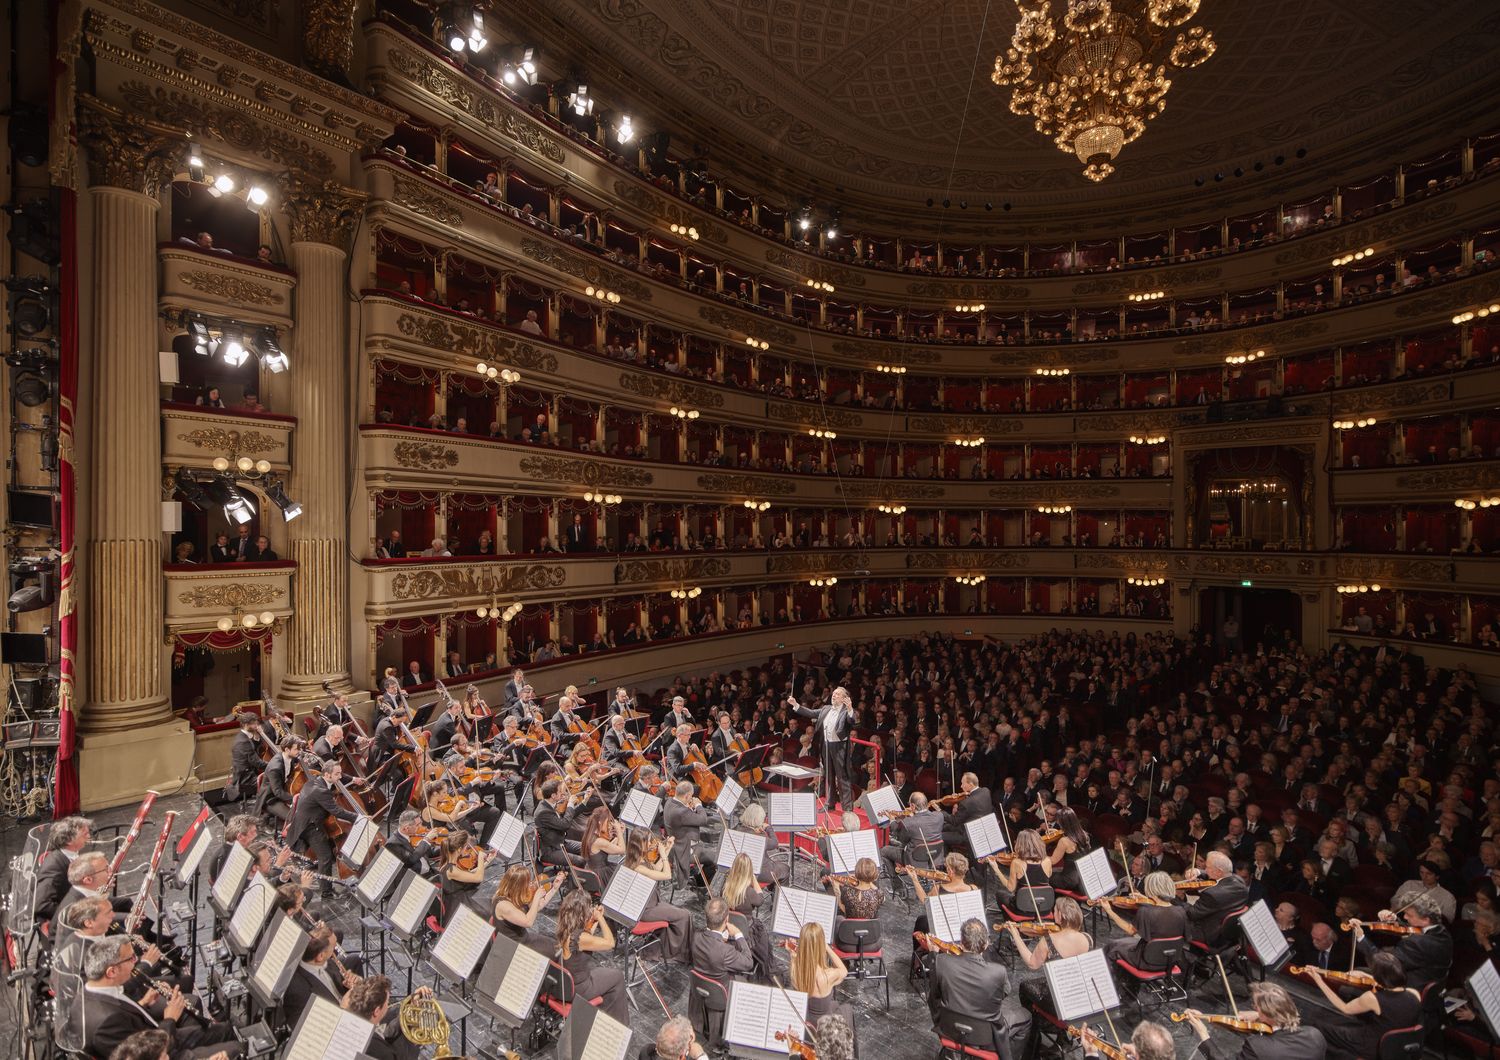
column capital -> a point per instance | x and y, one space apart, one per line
126 151
321 211
328 38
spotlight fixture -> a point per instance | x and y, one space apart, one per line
687 594
1054 371
1244 358
1144 582
969 579
624 132
223 493
822 583
195 168
892 509
1148 296
804 223
31 388
255 198
579 100
817 432
684 413
223 184
1358 255
969 308
235 350
1055 509
272 357
198 332
758 506
30 307
193 492
1349 425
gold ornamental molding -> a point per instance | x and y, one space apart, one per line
490 579
474 342
665 388
1394 570
321 211
1054 358
813 563
585 269
1460 295
814 269
985 425
578 472
1121 283
668 211
220 440
788 414
760 327
1400 396
887 353
431 456
416 198
1255 338
327 36
720 482
1284 432
1356 236
1450 478
126 151
889 492
1242 565
635 571
1120 559
968 559
230 288
1066 492
999 292
234 596
1140 421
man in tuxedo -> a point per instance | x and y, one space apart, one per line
1427 956
440 731
720 949
683 818
1311 801
1335 869
328 745
1289 1039
613 743
916 839
834 723
315 976
391 696
674 762
1325 949
413 853
65 839
976 803
243 547
967 985
723 736
1228 893
554 820
562 719
110 1017
1160 859
244 758
578 538
1289 921
370 999
240 830
414 675
622 702
678 714
274 798
221 551
315 804
513 688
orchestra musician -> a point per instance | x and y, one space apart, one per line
518 900
245 764
442 728
835 723
315 803
316 975
564 719
614 741
720 949
974 803
967 984
478 719
744 895
955 870
582 931
274 798
1029 869
335 712
1072 845
722 737
446 803
676 1040
392 696
1149 1041
817 971
328 744
110 1016
683 819
1427 953
414 852
674 762
553 821
389 738
1288 1040
603 839
1228 893
370 999
916 839
1068 941
241 830
462 872
1354 1028
65 840
648 855
1164 918
526 709
772 870
678 715
622 704
511 693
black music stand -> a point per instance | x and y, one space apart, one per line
400 800
755 758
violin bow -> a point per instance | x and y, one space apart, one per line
1233 1005
1107 1019
810 1029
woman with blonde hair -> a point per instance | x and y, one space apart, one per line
1029 868
753 820
817 971
742 891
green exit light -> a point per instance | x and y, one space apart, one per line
593 680
1247 583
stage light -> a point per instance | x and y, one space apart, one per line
223 184
273 357
624 132
256 197
235 351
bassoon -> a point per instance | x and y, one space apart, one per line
135 830
138 908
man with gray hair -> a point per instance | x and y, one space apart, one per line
834 722
1228 893
675 1041
833 1038
110 1017
1426 956
65 839
683 817
1149 1041
916 839
968 986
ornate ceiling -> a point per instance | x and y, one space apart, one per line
888 102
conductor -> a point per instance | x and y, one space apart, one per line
834 721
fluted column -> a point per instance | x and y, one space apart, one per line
322 216
129 161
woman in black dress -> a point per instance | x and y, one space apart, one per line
583 931
1073 844
518 900
1354 1028
1164 920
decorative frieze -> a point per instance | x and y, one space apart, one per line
784 414
417 198
232 596
687 569
1062 492
1462 477
586 269
1123 283
475 342
430 456
750 485
230 288
760 327
320 211
477 580
576 471
126 151
236 443
968 559
889 492
666 388
973 425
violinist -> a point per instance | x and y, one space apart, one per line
447 804
648 855
974 802
1288 1040
1149 1041
603 839
582 931
553 820
1163 918
462 872
511 747
1029 869
1354 1028
649 778
583 770
914 837
1228 893
955 869
465 756
1426 953
1071 845
1069 940
817 970
675 1041
674 762
315 804
848 822
513 690
683 819
415 853
967 984
772 870
518 900
744 894
274 798
860 900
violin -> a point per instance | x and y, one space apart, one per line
936 875
932 942
823 831
1114 1052
485 775
542 883
1131 901
949 800
1051 837
790 945
1333 975
1234 1023
796 1047
1382 925
1031 927
433 835
470 857
999 857
1193 885
841 877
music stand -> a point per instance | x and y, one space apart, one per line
250 917
400 800
327 1032
422 715
1081 986
1264 939
589 1034
378 879
409 907
225 890
461 946
275 961
755 1014
755 758
510 980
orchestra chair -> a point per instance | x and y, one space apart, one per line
1162 980
1031 903
1229 949
708 1000
921 961
858 944
555 999
920 854
644 936
1401 1043
962 1037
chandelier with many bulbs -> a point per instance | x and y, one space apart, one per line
1091 79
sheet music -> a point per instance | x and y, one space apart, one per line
627 893
882 802
1484 988
793 771
415 899
1097 875
795 907
227 884
327 1032
357 843
250 915
946 913
792 810
846 848
1264 936
507 835
733 842
194 857
608 1039
286 937
756 1013
641 808
377 880
523 979
729 796
985 837
1081 986
462 942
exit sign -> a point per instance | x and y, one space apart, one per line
1247 583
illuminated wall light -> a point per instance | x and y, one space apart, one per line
602 498
969 308
758 506
891 369
893 509
684 413
815 432
1054 371
1148 296
1055 509
822 583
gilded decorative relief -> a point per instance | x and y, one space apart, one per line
1400 396
676 391
1481 477
1235 565
973 425
814 269
125 151
1054 358
489 579
1358 569
760 327
826 418
232 596
632 571
889 492
1063 492
419 199
230 288
968 559
1117 283
1116 559
579 472
1456 296
819 562
429 455
886 353
1255 338
752 485
585 269
220 440
668 211
999 292
1357 236
474 342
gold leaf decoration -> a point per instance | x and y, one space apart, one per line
792 415
968 559
233 596
817 562
1123 283
579 472
1449 478
430 455
891 492
949 291
230 288
984 425
767 485
477 580
418 199
586 269
665 388
221 440
887 353
632 571
475 342
1061 492
746 324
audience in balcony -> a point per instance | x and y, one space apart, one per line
438 548
264 553
220 551
391 547
414 675
183 552
210 398
530 324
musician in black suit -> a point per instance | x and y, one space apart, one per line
392 695
316 975
1165 920
683 818
110 1017
337 712
440 731
525 709
413 853
565 717
721 949
65 839
330 743
1228 893
553 821
274 798
370 999
1426 956
622 702
723 736
239 830
968 985
315 803
834 723
513 688
389 739
244 758
1288 1040
674 761
976 803
678 714
614 740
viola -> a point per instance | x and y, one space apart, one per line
1334 976
1114 1052
1382 925
796 1047
1234 1023
932 942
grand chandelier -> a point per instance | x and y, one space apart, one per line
1091 79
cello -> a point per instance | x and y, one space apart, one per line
747 777
709 785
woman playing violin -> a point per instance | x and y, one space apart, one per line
1068 940
477 716
582 931
462 871
1288 1040
651 857
1030 868
1162 920
859 899
954 882
446 805
743 893
818 971
1355 1028
518 900
603 838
